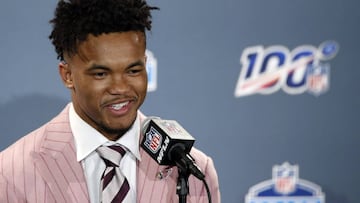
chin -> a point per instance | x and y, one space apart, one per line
115 128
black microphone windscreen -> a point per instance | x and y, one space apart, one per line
160 135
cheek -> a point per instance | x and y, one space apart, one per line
142 86
87 90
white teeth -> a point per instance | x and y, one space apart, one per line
119 106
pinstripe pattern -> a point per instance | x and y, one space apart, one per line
42 168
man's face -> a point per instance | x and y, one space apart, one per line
108 80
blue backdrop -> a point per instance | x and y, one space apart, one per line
198 45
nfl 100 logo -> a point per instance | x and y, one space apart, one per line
285 187
266 70
153 140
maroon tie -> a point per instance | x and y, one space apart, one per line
114 183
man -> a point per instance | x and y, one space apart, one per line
101 45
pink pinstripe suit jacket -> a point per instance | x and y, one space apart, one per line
41 167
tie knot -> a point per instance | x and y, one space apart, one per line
111 154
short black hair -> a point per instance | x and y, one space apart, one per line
75 19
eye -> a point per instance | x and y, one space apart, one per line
135 70
100 74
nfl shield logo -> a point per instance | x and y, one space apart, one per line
171 127
285 186
285 177
318 78
153 140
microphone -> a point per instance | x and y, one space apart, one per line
168 143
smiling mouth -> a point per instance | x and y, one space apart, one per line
119 106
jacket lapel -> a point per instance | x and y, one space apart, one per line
56 162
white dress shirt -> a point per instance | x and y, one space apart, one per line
87 139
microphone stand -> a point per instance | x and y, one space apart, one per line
182 188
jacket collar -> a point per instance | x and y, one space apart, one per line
56 162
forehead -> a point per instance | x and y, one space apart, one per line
113 45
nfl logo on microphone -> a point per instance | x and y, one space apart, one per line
153 140
285 187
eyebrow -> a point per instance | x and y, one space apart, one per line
97 66
103 67
136 63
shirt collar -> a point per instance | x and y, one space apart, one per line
87 139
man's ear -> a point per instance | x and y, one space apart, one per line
65 74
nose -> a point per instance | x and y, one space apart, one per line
118 85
